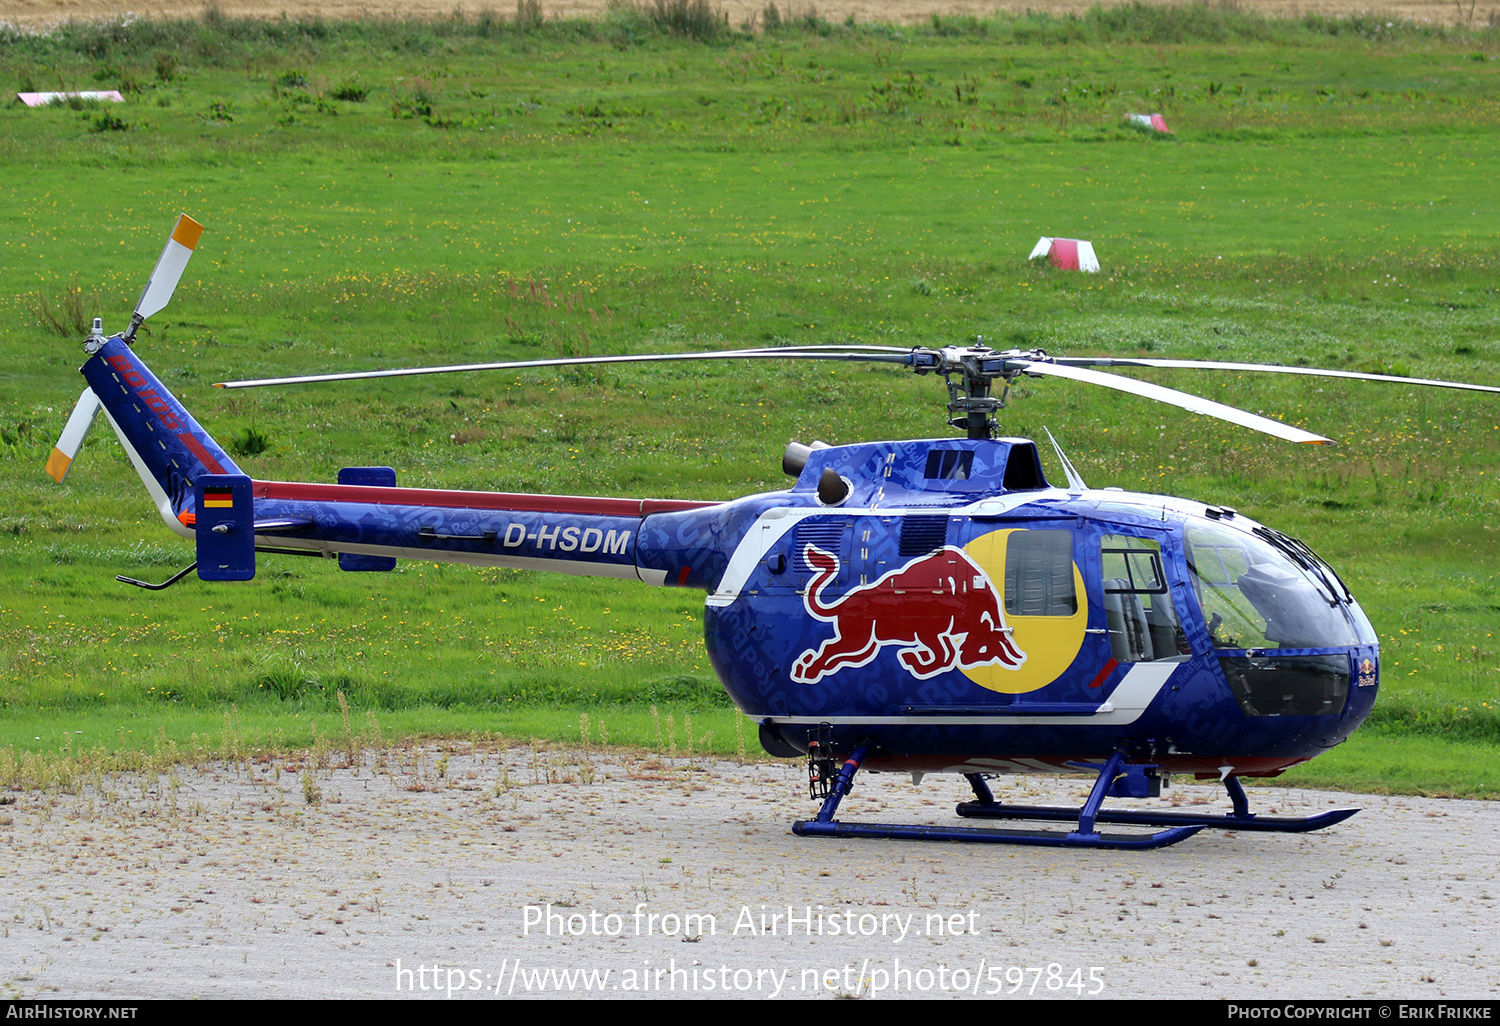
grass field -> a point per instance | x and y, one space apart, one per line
380 193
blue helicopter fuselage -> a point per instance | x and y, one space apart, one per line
944 605
963 615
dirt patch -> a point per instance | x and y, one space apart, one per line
45 12
510 872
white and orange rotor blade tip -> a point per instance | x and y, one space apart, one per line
169 268
73 434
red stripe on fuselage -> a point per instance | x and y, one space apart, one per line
442 498
1103 675
196 448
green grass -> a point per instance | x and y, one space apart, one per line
384 193
1380 764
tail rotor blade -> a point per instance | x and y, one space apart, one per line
167 273
73 434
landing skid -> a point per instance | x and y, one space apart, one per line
1240 819
1084 837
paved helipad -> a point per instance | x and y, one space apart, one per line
683 878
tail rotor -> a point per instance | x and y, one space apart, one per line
167 273
156 295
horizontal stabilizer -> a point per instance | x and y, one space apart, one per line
379 477
284 525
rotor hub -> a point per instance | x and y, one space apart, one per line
976 369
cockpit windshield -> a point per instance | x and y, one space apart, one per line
1256 596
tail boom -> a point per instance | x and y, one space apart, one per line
569 534
580 535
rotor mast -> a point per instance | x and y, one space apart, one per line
969 400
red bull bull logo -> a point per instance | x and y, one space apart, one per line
940 609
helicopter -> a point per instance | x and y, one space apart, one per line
921 606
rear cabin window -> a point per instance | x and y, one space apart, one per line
1039 574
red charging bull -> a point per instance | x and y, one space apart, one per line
940 609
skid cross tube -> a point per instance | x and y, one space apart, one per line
986 807
824 825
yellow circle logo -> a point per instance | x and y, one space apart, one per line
1051 643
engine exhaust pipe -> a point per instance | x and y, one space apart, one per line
795 457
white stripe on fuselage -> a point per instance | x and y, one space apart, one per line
1130 699
627 571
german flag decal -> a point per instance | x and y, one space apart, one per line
224 523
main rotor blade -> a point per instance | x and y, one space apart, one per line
1186 400
73 434
1090 361
878 354
168 271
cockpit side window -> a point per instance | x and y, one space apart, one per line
1138 610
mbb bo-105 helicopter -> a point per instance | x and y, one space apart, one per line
913 606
